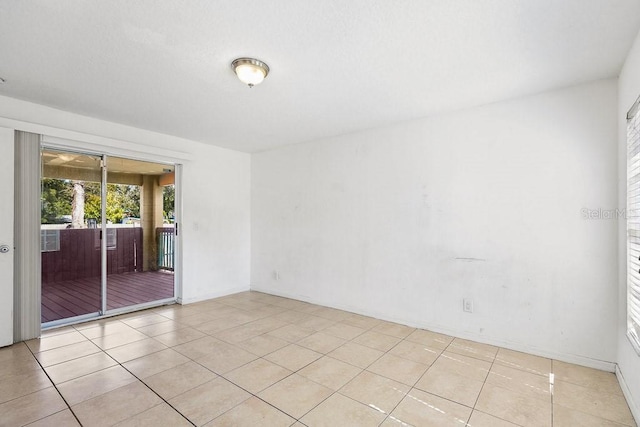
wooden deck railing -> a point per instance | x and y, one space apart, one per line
78 256
166 247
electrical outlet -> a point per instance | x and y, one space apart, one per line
467 305
276 275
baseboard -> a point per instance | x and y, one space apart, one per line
575 359
563 357
217 294
635 410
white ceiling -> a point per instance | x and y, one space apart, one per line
337 66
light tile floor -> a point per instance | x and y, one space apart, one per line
253 359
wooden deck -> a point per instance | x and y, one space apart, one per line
79 254
82 296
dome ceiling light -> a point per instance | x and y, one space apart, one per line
250 71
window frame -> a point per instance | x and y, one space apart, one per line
633 225
48 236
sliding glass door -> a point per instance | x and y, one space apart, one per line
139 216
71 203
107 235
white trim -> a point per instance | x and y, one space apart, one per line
87 139
218 294
138 307
564 357
91 317
635 410
634 109
49 240
633 342
177 215
70 320
633 227
133 151
104 163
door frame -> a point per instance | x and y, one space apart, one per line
78 147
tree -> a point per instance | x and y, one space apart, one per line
77 205
55 200
92 206
128 196
122 201
58 195
168 201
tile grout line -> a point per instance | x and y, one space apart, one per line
261 357
152 390
257 397
483 384
163 399
442 397
409 391
493 361
219 376
552 387
291 374
196 362
101 350
323 355
382 355
411 387
56 388
282 379
251 393
366 369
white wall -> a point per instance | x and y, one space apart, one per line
216 229
216 184
404 222
628 359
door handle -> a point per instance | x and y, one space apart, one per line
4 249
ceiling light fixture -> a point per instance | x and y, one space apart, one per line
250 71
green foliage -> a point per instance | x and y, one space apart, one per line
115 212
168 202
55 200
92 206
122 201
128 197
57 197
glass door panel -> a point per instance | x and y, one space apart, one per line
140 234
70 235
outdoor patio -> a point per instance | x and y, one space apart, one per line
81 296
